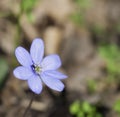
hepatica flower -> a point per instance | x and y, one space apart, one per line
36 69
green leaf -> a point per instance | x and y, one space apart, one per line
30 17
27 5
75 107
116 106
87 108
78 18
81 114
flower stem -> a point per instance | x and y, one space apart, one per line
28 108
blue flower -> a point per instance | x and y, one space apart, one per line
36 70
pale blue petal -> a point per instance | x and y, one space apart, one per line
55 74
37 50
22 73
51 62
23 56
52 83
35 84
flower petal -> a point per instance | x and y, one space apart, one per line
55 74
22 73
51 62
23 56
35 84
37 50
52 83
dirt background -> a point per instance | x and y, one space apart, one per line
74 29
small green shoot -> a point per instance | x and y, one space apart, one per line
83 4
83 109
116 107
91 84
27 6
110 53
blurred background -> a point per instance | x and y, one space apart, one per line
86 35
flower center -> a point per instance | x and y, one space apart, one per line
36 68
